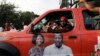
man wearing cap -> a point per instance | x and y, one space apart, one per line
65 25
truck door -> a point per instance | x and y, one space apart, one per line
90 33
47 26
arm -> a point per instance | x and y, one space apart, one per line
68 51
90 7
71 54
87 5
46 52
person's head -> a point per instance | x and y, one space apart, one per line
58 40
38 39
63 18
55 24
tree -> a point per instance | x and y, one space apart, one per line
7 13
26 17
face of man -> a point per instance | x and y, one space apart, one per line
63 19
58 40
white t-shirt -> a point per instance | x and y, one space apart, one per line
52 50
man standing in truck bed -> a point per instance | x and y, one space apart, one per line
93 6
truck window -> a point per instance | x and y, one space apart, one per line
91 20
54 22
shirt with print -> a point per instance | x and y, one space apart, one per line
36 51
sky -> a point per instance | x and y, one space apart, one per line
36 6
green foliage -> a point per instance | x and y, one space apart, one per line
8 14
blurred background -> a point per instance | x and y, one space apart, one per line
15 14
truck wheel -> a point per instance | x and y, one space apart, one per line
4 53
6 49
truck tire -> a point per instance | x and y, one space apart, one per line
7 49
5 53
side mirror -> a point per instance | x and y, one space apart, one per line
34 30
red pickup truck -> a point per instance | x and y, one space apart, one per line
83 38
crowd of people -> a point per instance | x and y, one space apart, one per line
61 25
11 27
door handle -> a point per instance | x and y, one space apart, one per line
72 37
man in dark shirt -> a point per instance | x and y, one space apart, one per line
65 25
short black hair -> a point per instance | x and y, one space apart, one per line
59 34
35 37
